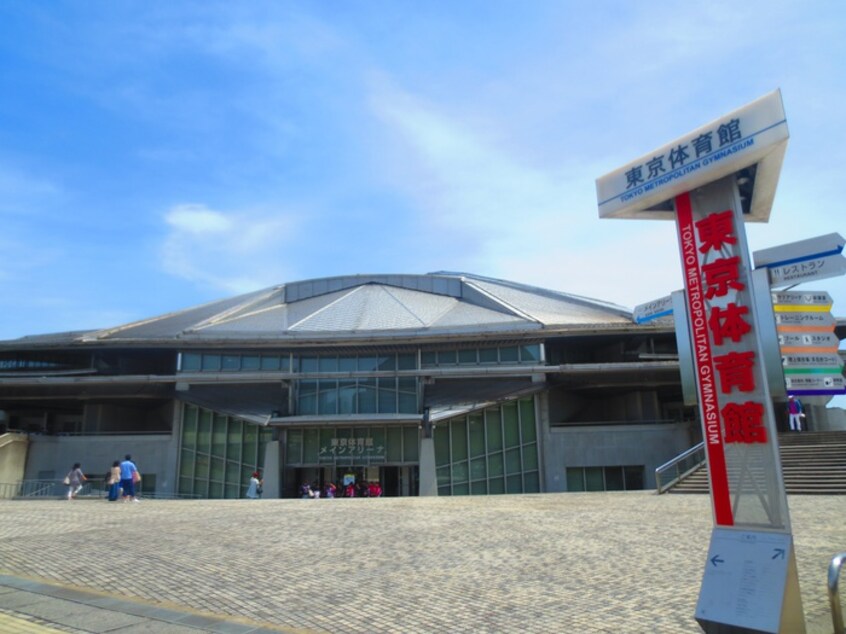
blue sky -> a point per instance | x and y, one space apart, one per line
158 155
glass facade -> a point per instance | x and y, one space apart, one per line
218 453
489 452
503 355
352 446
605 478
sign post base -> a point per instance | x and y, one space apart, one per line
750 584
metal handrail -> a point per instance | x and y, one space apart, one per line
660 486
834 593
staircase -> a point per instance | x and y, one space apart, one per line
813 463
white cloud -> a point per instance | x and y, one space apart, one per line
233 251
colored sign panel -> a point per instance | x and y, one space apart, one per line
815 384
782 255
792 301
755 134
830 362
810 342
805 322
657 311
819 268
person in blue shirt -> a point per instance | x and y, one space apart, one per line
128 476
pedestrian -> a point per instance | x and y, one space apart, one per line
74 480
129 476
306 492
254 490
114 481
796 412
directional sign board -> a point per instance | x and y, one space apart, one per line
796 301
830 244
815 384
830 362
746 582
659 311
805 322
810 342
808 270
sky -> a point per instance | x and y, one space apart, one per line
159 155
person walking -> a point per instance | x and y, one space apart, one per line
128 476
114 481
796 412
254 491
74 480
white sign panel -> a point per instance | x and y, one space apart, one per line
830 244
802 298
813 320
810 341
818 360
658 311
815 383
753 135
819 268
744 580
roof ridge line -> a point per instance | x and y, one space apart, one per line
222 316
352 291
497 300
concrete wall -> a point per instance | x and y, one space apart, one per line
13 450
611 445
51 457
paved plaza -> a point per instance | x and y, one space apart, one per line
581 562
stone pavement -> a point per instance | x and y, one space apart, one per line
579 562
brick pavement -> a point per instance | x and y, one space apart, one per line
612 562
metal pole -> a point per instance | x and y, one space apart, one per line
834 594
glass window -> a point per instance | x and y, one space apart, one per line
461 489
441 436
488 355
527 420
285 362
508 354
614 479
478 469
216 490
443 479
496 486
446 357
575 479
186 464
191 361
410 444
406 361
189 427
211 362
308 364
186 486
346 397
311 445
407 402
387 396
347 364
250 362
514 484
269 362
202 467
495 464
328 364
367 396
219 436
388 363
530 457
460 472
231 362
459 440
368 364
294 447
530 354
479 487
250 444
234 440
531 482
634 478
394 445
493 426
307 399
467 357
218 469
511 425
476 427
593 479
428 358
327 398
512 461
204 429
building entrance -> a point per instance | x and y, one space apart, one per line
395 481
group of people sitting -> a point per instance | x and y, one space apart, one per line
311 491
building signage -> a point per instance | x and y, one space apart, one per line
808 270
805 322
824 362
815 384
346 448
657 311
754 134
795 301
808 342
800 251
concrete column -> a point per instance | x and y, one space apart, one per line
271 473
428 475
